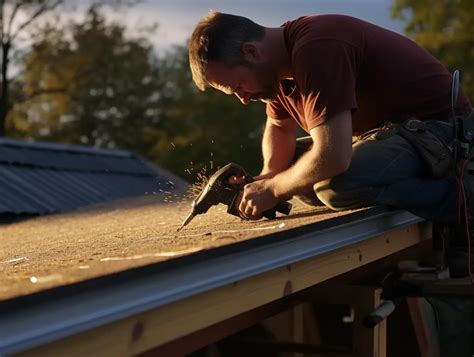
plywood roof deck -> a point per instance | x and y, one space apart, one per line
62 249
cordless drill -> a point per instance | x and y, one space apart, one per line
219 190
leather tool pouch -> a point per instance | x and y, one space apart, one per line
434 152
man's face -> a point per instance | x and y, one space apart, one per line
250 82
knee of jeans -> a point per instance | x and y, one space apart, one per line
327 195
334 196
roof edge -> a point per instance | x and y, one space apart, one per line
41 145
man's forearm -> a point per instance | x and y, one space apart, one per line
301 177
329 156
278 147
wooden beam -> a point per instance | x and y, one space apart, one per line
426 334
216 332
142 332
364 299
368 341
298 326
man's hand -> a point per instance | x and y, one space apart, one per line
257 197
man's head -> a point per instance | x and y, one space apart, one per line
228 52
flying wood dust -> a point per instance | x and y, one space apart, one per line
202 178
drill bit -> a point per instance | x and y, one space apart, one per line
188 219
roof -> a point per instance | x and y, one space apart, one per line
40 178
116 236
69 273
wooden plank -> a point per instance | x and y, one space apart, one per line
298 326
426 334
145 331
368 341
264 314
312 328
294 325
364 299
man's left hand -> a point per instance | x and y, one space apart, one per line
257 197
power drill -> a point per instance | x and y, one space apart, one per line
219 190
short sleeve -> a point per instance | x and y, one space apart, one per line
325 73
275 110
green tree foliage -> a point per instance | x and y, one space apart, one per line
88 83
446 29
17 29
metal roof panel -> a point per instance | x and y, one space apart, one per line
47 178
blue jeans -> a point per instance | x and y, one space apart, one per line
386 170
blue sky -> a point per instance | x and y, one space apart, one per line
176 18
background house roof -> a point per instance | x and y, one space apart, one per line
41 178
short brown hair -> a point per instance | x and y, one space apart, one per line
219 37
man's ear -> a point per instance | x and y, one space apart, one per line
251 52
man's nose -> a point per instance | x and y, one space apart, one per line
243 97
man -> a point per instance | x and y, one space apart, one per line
336 77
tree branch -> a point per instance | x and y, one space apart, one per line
37 93
2 30
1 21
10 21
41 10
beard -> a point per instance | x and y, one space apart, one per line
270 83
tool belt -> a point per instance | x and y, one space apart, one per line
436 154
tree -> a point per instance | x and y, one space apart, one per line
89 83
11 28
17 20
204 130
446 29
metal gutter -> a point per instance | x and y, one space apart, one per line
28 326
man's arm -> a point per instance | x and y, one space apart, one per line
278 146
329 156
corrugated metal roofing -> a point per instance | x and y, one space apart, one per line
40 178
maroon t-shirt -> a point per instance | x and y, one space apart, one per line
342 63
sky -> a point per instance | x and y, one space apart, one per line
176 18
